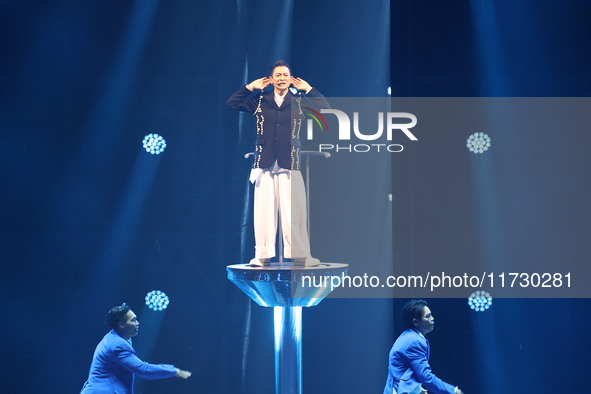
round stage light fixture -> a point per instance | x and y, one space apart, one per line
157 300
154 143
478 142
480 301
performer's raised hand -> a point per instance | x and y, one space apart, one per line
182 374
300 84
260 83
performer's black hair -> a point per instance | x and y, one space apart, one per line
412 310
280 63
116 314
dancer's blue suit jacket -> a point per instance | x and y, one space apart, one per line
114 365
409 367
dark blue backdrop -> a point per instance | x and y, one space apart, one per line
501 49
89 220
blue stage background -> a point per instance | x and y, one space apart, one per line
89 220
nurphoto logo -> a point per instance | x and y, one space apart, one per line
366 129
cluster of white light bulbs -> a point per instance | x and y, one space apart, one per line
157 300
154 143
478 142
480 301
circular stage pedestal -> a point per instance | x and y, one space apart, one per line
287 288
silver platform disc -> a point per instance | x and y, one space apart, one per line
285 284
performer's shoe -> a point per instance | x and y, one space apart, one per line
307 261
311 262
258 262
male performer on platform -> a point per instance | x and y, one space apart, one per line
115 363
409 371
279 185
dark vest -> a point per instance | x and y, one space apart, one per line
278 131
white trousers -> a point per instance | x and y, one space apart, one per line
282 193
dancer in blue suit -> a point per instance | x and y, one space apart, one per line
115 363
409 371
